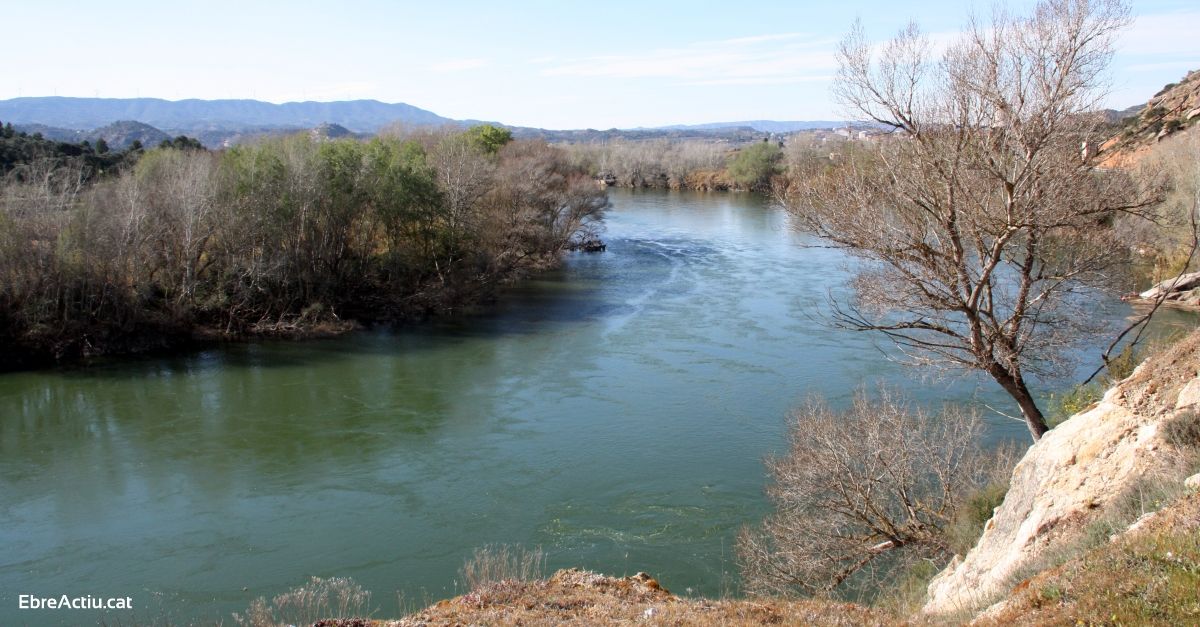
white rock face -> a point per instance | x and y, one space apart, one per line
1067 479
1173 285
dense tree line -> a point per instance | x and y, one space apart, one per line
704 165
282 236
662 163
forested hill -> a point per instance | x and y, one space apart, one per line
90 113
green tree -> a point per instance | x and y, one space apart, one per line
489 138
404 195
754 165
182 142
101 146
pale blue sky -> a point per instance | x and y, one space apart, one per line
538 63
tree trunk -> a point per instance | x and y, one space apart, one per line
1015 386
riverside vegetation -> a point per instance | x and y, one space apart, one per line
700 165
291 235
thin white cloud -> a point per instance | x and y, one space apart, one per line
459 65
1172 35
761 59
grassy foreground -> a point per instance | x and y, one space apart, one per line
576 597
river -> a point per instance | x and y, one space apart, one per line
614 412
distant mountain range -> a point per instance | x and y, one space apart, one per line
364 116
224 122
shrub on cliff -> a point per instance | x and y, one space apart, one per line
862 495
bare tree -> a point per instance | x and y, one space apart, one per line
982 229
36 200
540 204
464 174
653 163
861 492
181 204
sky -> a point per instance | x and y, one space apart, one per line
549 64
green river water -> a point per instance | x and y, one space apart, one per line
614 412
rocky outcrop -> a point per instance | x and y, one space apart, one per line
1174 109
1142 576
329 131
1183 291
1073 476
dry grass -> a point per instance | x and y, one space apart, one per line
575 597
1148 576
320 601
501 563
1155 386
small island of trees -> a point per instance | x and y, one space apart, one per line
112 252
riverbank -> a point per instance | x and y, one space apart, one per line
699 181
80 343
577 597
689 165
1144 576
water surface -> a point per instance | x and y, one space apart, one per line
614 412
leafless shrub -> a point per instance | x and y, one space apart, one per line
653 163
497 563
864 494
319 599
1162 245
539 204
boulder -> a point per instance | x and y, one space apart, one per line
1184 283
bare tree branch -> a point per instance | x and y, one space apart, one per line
978 223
